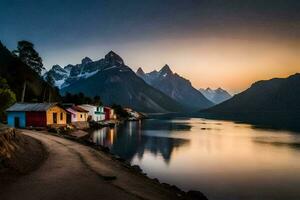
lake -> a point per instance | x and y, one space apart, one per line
222 159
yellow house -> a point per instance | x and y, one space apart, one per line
56 115
24 115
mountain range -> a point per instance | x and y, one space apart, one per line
216 96
114 82
176 87
276 95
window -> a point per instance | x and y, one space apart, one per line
80 115
61 116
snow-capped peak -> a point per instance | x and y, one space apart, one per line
58 74
87 68
217 96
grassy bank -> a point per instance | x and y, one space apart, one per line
19 155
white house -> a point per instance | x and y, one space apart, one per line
96 113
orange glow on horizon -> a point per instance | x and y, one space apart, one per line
233 63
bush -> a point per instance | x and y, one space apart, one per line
7 97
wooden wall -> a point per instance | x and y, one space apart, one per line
58 110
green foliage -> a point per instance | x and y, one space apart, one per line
26 52
7 97
17 72
3 83
120 112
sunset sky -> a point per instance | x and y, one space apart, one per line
214 43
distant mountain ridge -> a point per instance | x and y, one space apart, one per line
274 95
65 76
114 82
175 87
216 96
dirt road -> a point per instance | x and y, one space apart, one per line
74 171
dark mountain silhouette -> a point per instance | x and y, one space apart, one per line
16 73
275 95
115 82
175 87
274 103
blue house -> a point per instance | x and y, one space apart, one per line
22 115
16 119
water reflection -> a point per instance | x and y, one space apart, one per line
132 140
223 159
104 136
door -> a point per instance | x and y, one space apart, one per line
69 118
54 118
17 122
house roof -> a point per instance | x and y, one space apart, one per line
78 109
88 105
30 107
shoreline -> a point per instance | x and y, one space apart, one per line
189 195
122 167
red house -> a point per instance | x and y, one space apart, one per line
22 115
107 111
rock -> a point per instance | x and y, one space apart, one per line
109 178
106 149
156 180
120 159
195 195
127 163
166 185
86 60
136 168
113 59
79 133
174 187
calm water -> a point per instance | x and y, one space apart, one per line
222 159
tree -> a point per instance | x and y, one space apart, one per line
49 79
97 101
27 54
120 112
7 97
77 99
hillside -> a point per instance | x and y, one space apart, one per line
275 95
16 72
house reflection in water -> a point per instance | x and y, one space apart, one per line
104 136
132 139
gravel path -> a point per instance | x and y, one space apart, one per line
74 171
